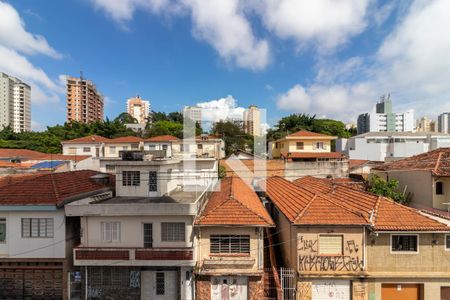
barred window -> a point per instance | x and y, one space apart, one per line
131 178
404 243
173 232
230 244
37 227
86 149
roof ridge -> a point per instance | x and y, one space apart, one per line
251 210
438 162
375 210
302 212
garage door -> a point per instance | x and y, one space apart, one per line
400 291
331 290
445 292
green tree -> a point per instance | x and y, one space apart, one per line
387 188
126 118
232 132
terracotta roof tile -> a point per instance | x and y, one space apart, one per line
274 167
87 140
436 161
354 163
163 138
125 139
14 178
337 204
50 189
305 133
21 153
235 204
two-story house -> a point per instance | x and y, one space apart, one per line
163 145
230 244
345 243
139 242
92 145
35 237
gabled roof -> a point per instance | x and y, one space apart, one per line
87 140
125 139
162 138
437 161
21 153
235 204
50 189
317 201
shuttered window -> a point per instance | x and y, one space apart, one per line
111 231
173 232
37 227
330 244
230 244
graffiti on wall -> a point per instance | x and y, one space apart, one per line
307 245
330 263
135 279
94 292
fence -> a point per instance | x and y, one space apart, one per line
288 284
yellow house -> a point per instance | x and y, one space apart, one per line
303 145
230 243
347 244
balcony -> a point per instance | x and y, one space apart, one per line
88 256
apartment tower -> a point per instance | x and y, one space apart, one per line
84 102
194 113
15 103
425 125
444 122
138 109
252 121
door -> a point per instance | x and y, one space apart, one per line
229 288
148 235
400 291
331 290
445 292
159 285
153 184
97 152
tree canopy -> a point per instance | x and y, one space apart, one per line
232 132
387 188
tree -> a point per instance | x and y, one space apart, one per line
165 128
387 188
232 132
126 118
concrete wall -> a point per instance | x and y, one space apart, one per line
78 149
132 231
438 200
334 168
256 248
18 247
290 146
112 150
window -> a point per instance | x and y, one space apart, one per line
72 151
110 168
125 148
112 149
229 244
160 283
134 146
447 242
148 235
330 244
151 147
164 147
319 145
200 146
300 146
404 243
86 149
131 178
173 232
152 181
110 231
37 227
439 188
2 230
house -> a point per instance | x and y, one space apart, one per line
139 242
35 237
344 243
113 147
230 243
387 146
209 146
89 145
168 145
425 177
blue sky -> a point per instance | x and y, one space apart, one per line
324 57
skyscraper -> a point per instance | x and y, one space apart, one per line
138 109
425 125
252 121
15 103
84 102
193 113
444 122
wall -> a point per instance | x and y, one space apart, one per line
335 168
132 235
438 200
286 237
18 247
159 146
431 286
256 245
120 147
78 148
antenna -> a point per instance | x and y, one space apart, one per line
81 75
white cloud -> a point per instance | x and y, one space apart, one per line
14 36
223 25
296 99
221 109
324 23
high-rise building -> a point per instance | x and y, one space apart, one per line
84 102
444 123
252 121
138 109
383 119
425 125
194 113
15 103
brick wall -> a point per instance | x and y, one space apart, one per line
255 288
203 288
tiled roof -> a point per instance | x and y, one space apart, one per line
274 167
50 189
87 140
354 163
436 161
163 138
125 139
316 155
305 133
235 204
316 201
14 178
21 153
7 164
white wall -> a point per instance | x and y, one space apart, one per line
132 231
18 247
79 149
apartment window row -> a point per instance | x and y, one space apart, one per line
37 227
230 244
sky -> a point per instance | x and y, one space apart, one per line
327 58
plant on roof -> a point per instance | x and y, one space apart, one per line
387 188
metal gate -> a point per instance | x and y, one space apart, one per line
288 285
